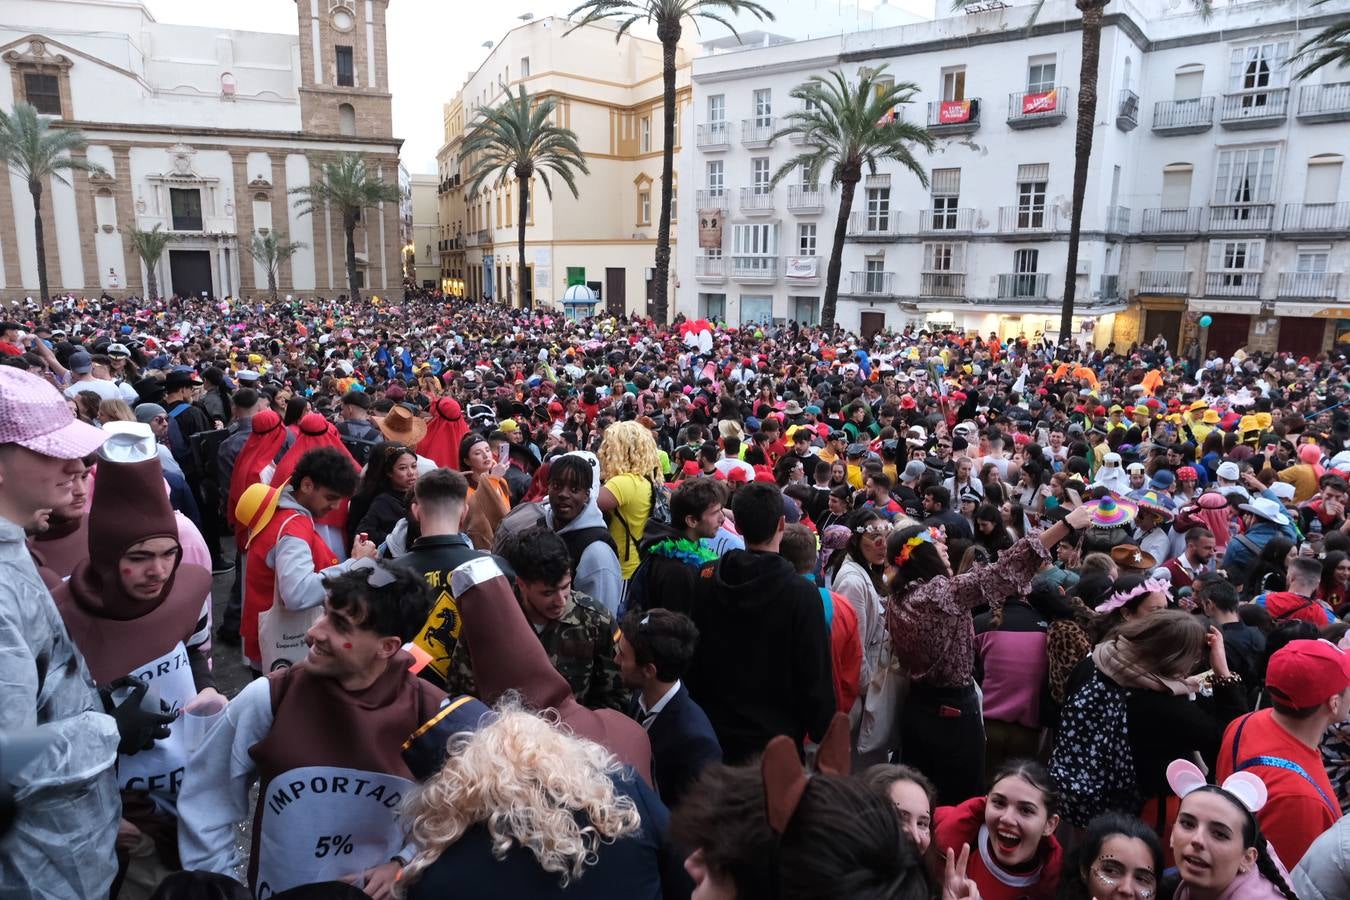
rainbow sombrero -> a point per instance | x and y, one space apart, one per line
1109 512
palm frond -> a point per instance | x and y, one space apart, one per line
149 245
33 148
1329 46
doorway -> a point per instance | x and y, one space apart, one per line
1301 337
871 323
1166 322
615 299
190 272
1227 333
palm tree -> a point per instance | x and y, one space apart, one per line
35 152
1331 45
515 139
270 251
668 16
149 246
850 127
345 184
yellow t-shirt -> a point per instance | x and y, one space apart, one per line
634 494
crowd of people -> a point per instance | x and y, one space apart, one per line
537 607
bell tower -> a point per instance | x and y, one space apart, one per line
344 67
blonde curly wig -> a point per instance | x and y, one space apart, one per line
628 448
524 778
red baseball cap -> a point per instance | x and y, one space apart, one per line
1304 673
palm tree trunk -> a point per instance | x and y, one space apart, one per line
669 34
521 269
349 228
848 184
272 281
1082 152
152 280
39 239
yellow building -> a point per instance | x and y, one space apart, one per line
610 94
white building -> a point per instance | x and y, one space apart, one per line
1214 187
426 229
203 131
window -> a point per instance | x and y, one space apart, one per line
757 245
715 178
805 310
712 306
1258 66
944 257
645 134
1190 81
763 108
759 174
346 119
1245 175
185 204
524 67
954 83
806 239
878 209
1040 73
1024 280
43 92
644 207
346 72
1324 179
946 198
874 276
674 203
1313 260
1238 263
1170 258
1031 184
1176 186
1025 262
717 108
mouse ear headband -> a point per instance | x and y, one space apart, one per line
1185 777
784 778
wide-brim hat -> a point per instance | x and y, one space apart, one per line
403 426
1108 512
256 506
1128 556
730 428
793 408
1151 501
1265 508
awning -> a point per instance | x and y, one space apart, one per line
1310 310
1212 305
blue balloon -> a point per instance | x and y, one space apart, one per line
1206 321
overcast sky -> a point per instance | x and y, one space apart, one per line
433 45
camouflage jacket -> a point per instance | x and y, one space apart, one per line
580 644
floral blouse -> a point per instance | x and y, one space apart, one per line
931 626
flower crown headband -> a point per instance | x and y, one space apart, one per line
927 536
1120 598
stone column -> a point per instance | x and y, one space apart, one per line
126 217
86 220
243 223
8 243
281 217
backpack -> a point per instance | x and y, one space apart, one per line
660 502
637 593
1092 764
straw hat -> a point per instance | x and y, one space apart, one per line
256 506
402 426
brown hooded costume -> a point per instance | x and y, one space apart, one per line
120 635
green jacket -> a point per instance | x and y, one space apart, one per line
580 644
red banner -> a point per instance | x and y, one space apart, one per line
1043 102
951 112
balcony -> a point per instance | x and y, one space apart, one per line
1183 116
1308 285
871 284
1324 102
1316 217
471 239
1117 220
948 117
754 269
942 285
1175 283
756 201
806 198
710 269
873 227
1037 109
1127 113
711 199
1229 217
1023 286
1232 284
1171 220
946 221
757 134
1032 220
1261 108
713 136
484 236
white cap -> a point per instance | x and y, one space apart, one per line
1283 489
128 442
1228 471
1111 459
1135 467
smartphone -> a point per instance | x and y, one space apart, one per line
504 453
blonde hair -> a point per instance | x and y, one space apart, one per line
628 448
524 779
115 411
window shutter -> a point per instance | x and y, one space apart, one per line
1255 252
1215 255
958 257
946 181
1034 172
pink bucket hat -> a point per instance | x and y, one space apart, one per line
33 414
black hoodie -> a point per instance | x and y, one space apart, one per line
762 666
